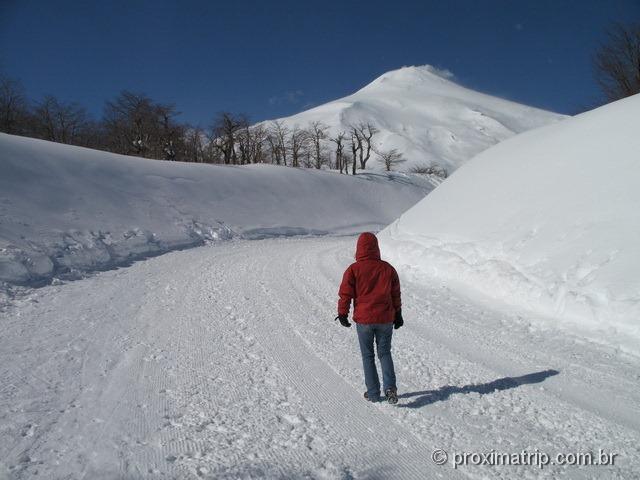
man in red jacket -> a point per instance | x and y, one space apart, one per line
374 287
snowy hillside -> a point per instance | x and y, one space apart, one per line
547 221
67 209
224 362
426 116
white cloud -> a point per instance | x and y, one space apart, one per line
290 97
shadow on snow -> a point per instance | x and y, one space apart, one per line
427 397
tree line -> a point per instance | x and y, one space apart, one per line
135 124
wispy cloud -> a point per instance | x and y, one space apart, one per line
290 97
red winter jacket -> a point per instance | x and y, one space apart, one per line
371 283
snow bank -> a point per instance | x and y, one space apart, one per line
548 220
66 210
423 113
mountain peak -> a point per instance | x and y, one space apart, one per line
422 76
416 73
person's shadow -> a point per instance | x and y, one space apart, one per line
427 397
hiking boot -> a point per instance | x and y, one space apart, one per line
366 397
391 394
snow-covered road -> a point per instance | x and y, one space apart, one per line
225 362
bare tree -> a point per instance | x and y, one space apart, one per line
259 138
339 141
132 123
224 132
59 122
361 142
390 158
356 147
281 131
277 139
170 137
274 148
91 135
617 62
126 122
363 134
194 144
318 132
251 143
298 143
244 145
13 107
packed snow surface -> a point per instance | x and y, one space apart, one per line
428 117
66 210
548 220
224 362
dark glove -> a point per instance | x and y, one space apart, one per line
344 320
398 322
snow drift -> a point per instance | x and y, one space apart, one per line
65 210
547 220
426 116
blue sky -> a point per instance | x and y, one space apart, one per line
274 58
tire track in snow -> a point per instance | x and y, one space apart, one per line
213 423
324 390
224 362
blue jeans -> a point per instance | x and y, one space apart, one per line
381 333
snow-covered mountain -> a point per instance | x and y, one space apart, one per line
69 209
547 220
426 116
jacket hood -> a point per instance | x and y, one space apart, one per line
367 247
